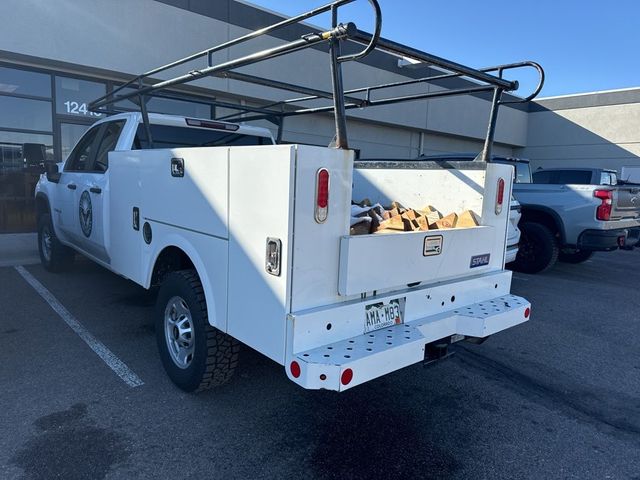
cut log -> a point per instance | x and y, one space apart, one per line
446 222
466 219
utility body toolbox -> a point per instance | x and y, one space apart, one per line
302 291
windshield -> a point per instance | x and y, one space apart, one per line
169 136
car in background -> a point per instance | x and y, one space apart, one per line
567 222
569 213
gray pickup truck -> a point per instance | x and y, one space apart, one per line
568 214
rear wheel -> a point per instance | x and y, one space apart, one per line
574 256
538 249
54 256
195 355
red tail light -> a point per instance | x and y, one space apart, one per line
500 196
322 195
295 369
346 377
603 212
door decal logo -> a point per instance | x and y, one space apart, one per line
86 214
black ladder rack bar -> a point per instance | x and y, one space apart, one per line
266 82
398 49
341 31
249 36
370 103
414 81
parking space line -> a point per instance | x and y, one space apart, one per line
107 356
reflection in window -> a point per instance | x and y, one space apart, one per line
17 183
70 133
25 114
22 82
74 95
11 155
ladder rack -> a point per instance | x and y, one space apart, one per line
480 80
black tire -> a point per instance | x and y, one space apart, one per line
214 356
574 256
538 249
54 256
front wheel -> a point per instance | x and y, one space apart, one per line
54 256
538 249
574 256
195 355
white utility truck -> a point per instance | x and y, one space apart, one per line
249 241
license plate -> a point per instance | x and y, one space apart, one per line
380 315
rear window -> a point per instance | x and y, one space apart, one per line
168 136
563 177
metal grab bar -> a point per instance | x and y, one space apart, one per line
374 38
511 66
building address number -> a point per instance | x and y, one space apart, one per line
78 108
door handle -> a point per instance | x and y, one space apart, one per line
95 190
71 186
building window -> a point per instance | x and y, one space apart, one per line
74 95
22 82
16 182
25 114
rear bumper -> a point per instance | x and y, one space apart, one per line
511 253
344 364
606 240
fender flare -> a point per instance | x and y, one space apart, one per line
173 240
548 211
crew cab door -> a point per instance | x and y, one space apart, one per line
67 221
92 193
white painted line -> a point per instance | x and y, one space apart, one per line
518 277
107 356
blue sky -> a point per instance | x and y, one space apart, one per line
584 45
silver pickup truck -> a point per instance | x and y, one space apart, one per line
569 220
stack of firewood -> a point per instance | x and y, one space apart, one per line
367 218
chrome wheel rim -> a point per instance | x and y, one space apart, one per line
178 332
46 243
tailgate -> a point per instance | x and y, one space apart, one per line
377 262
626 202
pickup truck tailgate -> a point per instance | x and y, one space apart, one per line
626 202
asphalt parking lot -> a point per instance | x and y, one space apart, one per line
556 398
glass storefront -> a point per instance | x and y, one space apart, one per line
52 109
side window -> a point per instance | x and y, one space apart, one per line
541 177
574 177
83 151
106 144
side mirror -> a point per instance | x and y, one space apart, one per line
51 169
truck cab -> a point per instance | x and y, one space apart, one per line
80 189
